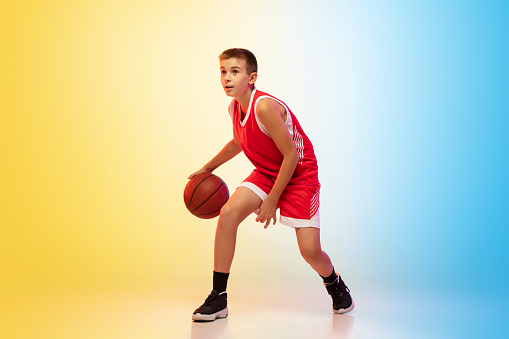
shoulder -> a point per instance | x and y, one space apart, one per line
268 106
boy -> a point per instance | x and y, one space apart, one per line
285 177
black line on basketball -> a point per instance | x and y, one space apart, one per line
222 183
209 212
195 188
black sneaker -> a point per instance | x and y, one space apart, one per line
213 308
341 300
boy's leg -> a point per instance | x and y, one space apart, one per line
308 239
242 203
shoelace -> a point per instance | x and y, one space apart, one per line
338 294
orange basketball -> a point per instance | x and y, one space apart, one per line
205 194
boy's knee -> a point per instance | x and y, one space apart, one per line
227 216
226 211
311 254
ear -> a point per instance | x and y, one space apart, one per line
252 78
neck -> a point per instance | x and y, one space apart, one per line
244 99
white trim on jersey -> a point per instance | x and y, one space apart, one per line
243 122
297 139
298 142
231 108
288 122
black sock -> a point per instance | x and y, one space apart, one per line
331 278
219 281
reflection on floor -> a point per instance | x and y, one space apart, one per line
267 312
276 325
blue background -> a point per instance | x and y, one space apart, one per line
410 125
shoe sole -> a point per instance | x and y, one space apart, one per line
211 317
344 310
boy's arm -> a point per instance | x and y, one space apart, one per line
227 153
271 114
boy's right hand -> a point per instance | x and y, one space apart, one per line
202 170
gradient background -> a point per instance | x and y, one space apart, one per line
107 106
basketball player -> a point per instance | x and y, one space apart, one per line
285 177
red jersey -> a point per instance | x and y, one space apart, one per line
261 150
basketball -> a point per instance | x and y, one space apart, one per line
205 194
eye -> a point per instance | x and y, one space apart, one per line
223 72
235 71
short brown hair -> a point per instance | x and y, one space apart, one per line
244 54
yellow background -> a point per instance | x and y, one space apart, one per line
106 108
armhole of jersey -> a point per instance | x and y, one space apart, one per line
230 108
288 122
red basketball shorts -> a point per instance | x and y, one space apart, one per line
298 204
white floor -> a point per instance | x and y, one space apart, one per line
268 312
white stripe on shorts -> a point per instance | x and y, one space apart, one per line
257 190
300 223
287 221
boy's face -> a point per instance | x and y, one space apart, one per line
234 77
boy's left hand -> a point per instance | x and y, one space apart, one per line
267 212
